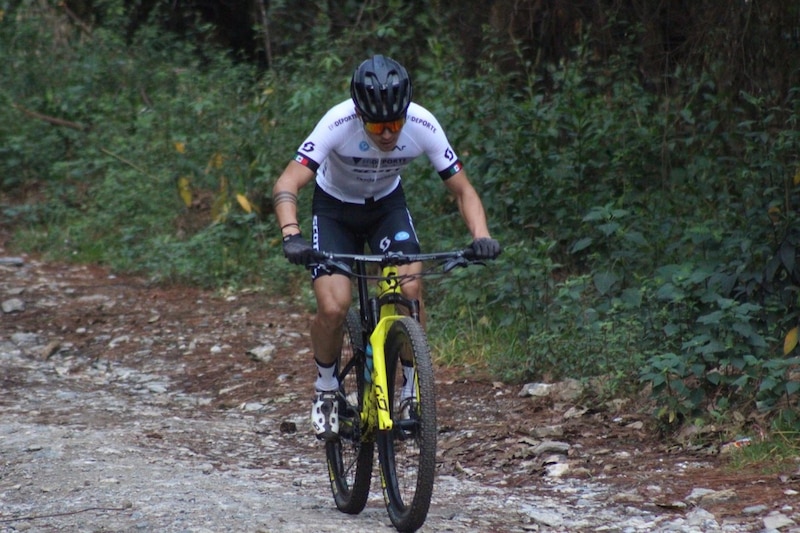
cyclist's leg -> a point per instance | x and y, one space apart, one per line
333 294
413 289
393 231
332 232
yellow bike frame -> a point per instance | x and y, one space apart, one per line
376 400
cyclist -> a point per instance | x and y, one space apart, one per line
356 152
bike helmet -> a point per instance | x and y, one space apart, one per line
381 89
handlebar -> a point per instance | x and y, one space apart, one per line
447 260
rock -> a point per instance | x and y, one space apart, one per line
262 353
547 431
25 340
568 390
565 391
702 519
535 389
777 520
546 518
13 305
94 299
719 496
48 350
556 470
575 412
551 447
698 493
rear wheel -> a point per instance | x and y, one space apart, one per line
349 459
408 452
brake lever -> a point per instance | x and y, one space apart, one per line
342 267
329 266
456 262
465 259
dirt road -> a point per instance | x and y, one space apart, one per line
131 407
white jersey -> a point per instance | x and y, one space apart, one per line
351 168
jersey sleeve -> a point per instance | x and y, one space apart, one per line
325 136
435 143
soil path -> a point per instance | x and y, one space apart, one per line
131 407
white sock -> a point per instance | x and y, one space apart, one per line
408 382
326 377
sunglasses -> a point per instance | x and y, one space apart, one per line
377 128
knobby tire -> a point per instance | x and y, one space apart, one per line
349 459
408 452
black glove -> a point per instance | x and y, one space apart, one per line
485 248
297 250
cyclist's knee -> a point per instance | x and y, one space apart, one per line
333 295
331 310
413 290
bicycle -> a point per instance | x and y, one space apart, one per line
380 338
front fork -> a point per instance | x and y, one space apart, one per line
384 314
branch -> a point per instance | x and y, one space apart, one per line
55 121
127 162
81 24
265 32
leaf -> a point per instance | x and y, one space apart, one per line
636 238
580 245
244 203
767 384
668 291
216 161
796 179
180 147
632 297
774 214
603 281
790 341
608 228
185 190
711 318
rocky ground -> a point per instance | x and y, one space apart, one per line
131 407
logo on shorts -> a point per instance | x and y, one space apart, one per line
402 236
385 243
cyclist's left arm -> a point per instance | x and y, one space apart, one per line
469 204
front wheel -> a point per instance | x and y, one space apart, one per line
407 453
350 457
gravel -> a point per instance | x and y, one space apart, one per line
126 407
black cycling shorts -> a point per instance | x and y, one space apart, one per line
341 227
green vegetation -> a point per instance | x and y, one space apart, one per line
775 454
651 234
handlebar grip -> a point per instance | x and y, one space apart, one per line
469 254
320 256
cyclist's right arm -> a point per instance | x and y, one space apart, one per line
284 196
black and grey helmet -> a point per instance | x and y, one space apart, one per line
381 89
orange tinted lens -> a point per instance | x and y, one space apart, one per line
378 127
